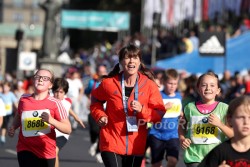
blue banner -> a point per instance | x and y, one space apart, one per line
236 59
96 20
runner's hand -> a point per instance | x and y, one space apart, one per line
185 143
11 131
46 117
136 105
103 121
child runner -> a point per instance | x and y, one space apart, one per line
163 136
38 115
234 152
10 102
60 88
203 125
2 112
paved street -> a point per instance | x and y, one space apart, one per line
74 154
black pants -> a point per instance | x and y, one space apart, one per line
111 159
28 159
94 130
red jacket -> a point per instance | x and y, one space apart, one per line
114 136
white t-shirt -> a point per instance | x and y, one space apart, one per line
67 104
74 87
2 108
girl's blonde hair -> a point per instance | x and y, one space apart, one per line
170 74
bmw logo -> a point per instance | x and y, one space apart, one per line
27 61
35 114
205 120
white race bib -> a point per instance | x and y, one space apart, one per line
175 110
203 132
32 124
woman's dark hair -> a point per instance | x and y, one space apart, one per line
60 83
131 51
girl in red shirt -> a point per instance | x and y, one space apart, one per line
37 117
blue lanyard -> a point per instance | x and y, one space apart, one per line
125 104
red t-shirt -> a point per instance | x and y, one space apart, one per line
36 136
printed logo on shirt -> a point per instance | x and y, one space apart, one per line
238 163
115 92
141 93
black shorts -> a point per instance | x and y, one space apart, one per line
61 141
29 159
6 120
159 147
112 159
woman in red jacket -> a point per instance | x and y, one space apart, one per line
132 99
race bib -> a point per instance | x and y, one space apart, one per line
202 132
8 107
175 110
131 124
32 124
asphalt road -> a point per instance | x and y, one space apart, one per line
74 154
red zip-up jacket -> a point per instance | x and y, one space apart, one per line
114 137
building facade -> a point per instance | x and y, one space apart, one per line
23 16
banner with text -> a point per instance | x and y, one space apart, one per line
96 20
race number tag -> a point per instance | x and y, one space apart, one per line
203 132
131 124
8 107
32 124
175 110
